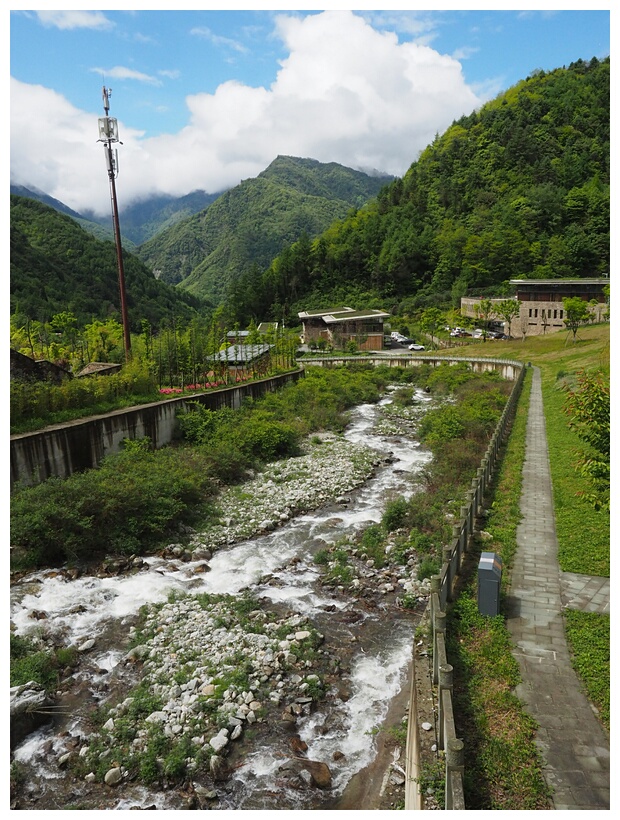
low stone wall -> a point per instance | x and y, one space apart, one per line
507 368
63 449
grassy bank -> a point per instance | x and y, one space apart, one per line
482 654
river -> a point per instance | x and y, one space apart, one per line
278 567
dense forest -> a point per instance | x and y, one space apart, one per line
250 224
518 189
57 266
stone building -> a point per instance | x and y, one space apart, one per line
540 303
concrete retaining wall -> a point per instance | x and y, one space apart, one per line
507 368
63 449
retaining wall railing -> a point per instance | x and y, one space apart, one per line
442 593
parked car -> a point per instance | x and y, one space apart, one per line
416 347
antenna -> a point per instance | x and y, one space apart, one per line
108 133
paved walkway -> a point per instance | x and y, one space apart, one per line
573 745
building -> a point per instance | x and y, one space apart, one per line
27 369
540 303
243 358
341 325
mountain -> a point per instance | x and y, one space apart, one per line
251 223
518 189
138 222
142 220
57 266
40 196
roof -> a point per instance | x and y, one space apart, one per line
241 353
265 327
234 334
560 282
344 314
356 314
308 314
98 367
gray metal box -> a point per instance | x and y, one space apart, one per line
489 582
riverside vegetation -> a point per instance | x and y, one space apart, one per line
405 530
409 530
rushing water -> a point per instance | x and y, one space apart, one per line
87 606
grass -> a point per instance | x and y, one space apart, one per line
503 770
588 636
583 536
582 532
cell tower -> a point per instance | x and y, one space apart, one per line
108 134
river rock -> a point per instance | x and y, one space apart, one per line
86 645
218 768
113 776
27 702
320 773
220 740
298 745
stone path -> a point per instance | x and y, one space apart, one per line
573 744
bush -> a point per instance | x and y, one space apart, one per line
395 515
125 506
31 663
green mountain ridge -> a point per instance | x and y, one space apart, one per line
518 189
249 224
57 266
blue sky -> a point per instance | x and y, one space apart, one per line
207 98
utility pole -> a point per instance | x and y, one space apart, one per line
108 133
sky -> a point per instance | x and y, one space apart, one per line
206 99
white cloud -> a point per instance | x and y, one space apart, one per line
74 19
345 93
120 72
217 40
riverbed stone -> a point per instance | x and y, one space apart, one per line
219 741
113 776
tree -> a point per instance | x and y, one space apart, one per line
432 318
588 409
576 313
508 309
484 310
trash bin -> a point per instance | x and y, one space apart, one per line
489 582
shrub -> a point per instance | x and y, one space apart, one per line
31 663
428 567
125 506
395 514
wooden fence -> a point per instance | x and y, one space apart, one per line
442 593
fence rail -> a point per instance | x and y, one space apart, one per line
442 593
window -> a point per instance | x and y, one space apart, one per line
530 313
536 313
561 314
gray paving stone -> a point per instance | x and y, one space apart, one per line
574 745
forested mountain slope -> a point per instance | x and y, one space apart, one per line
519 188
138 221
57 266
251 223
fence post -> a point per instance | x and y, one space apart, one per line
455 758
439 628
445 684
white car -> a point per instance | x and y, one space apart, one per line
416 347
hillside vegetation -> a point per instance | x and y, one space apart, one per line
518 189
57 266
250 224
139 221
